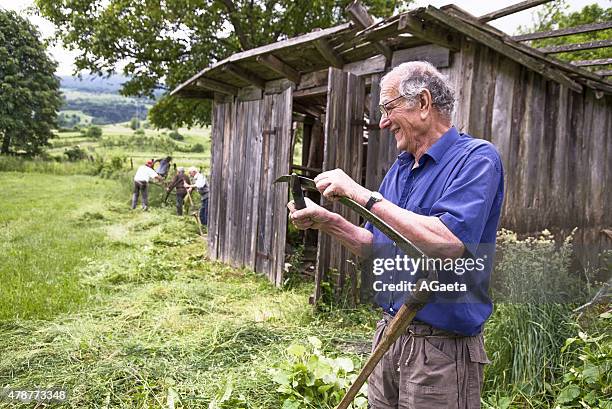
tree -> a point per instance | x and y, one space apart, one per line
169 44
135 123
29 90
555 16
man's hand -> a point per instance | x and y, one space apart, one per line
335 183
311 217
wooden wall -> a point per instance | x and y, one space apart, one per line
343 148
556 145
251 144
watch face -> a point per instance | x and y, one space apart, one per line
377 196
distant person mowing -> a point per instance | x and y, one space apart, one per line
164 166
178 182
141 184
201 184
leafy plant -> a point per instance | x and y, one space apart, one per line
309 379
587 382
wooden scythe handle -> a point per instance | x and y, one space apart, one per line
396 328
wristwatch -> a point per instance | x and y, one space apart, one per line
374 198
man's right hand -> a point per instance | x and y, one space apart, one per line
311 217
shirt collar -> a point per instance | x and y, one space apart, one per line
438 149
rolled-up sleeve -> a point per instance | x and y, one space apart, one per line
465 205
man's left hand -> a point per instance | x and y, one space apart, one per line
334 184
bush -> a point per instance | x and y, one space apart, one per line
197 148
587 379
176 136
310 379
135 123
75 153
94 132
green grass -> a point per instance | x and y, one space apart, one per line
145 315
64 140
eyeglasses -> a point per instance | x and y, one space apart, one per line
383 107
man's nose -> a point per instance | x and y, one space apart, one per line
384 122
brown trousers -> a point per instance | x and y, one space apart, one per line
428 368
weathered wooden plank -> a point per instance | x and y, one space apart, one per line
245 75
429 31
359 15
283 165
588 63
501 120
278 86
368 66
275 64
499 46
435 54
584 28
311 92
515 8
463 79
604 73
483 92
262 256
256 148
217 86
328 53
372 178
591 45
250 94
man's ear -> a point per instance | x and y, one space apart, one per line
424 103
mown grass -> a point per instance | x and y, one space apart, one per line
154 318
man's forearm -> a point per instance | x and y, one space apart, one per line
355 238
426 232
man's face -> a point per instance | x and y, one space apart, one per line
404 122
192 173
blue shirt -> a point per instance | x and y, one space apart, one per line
459 180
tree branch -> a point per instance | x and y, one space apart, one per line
231 10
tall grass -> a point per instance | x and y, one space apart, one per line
533 284
16 164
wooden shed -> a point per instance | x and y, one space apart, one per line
551 121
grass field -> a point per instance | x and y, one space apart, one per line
123 132
123 309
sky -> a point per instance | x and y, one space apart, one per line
508 24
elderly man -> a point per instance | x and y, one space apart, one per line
141 184
444 193
201 184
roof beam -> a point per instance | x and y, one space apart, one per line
427 31
604 73
585 28
217 86
245 75
328 53
591 45
499 46
275 64
359 15
515 8
588 63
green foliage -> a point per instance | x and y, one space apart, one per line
75 153
105 108
555 15
587 379
29 90
176 136
141 141
94 132
135 123
310 379
197 148
145 33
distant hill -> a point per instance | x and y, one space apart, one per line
98 98
93 83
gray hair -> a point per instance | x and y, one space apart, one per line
411 78
193 169
180 169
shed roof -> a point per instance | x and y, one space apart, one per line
351 42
